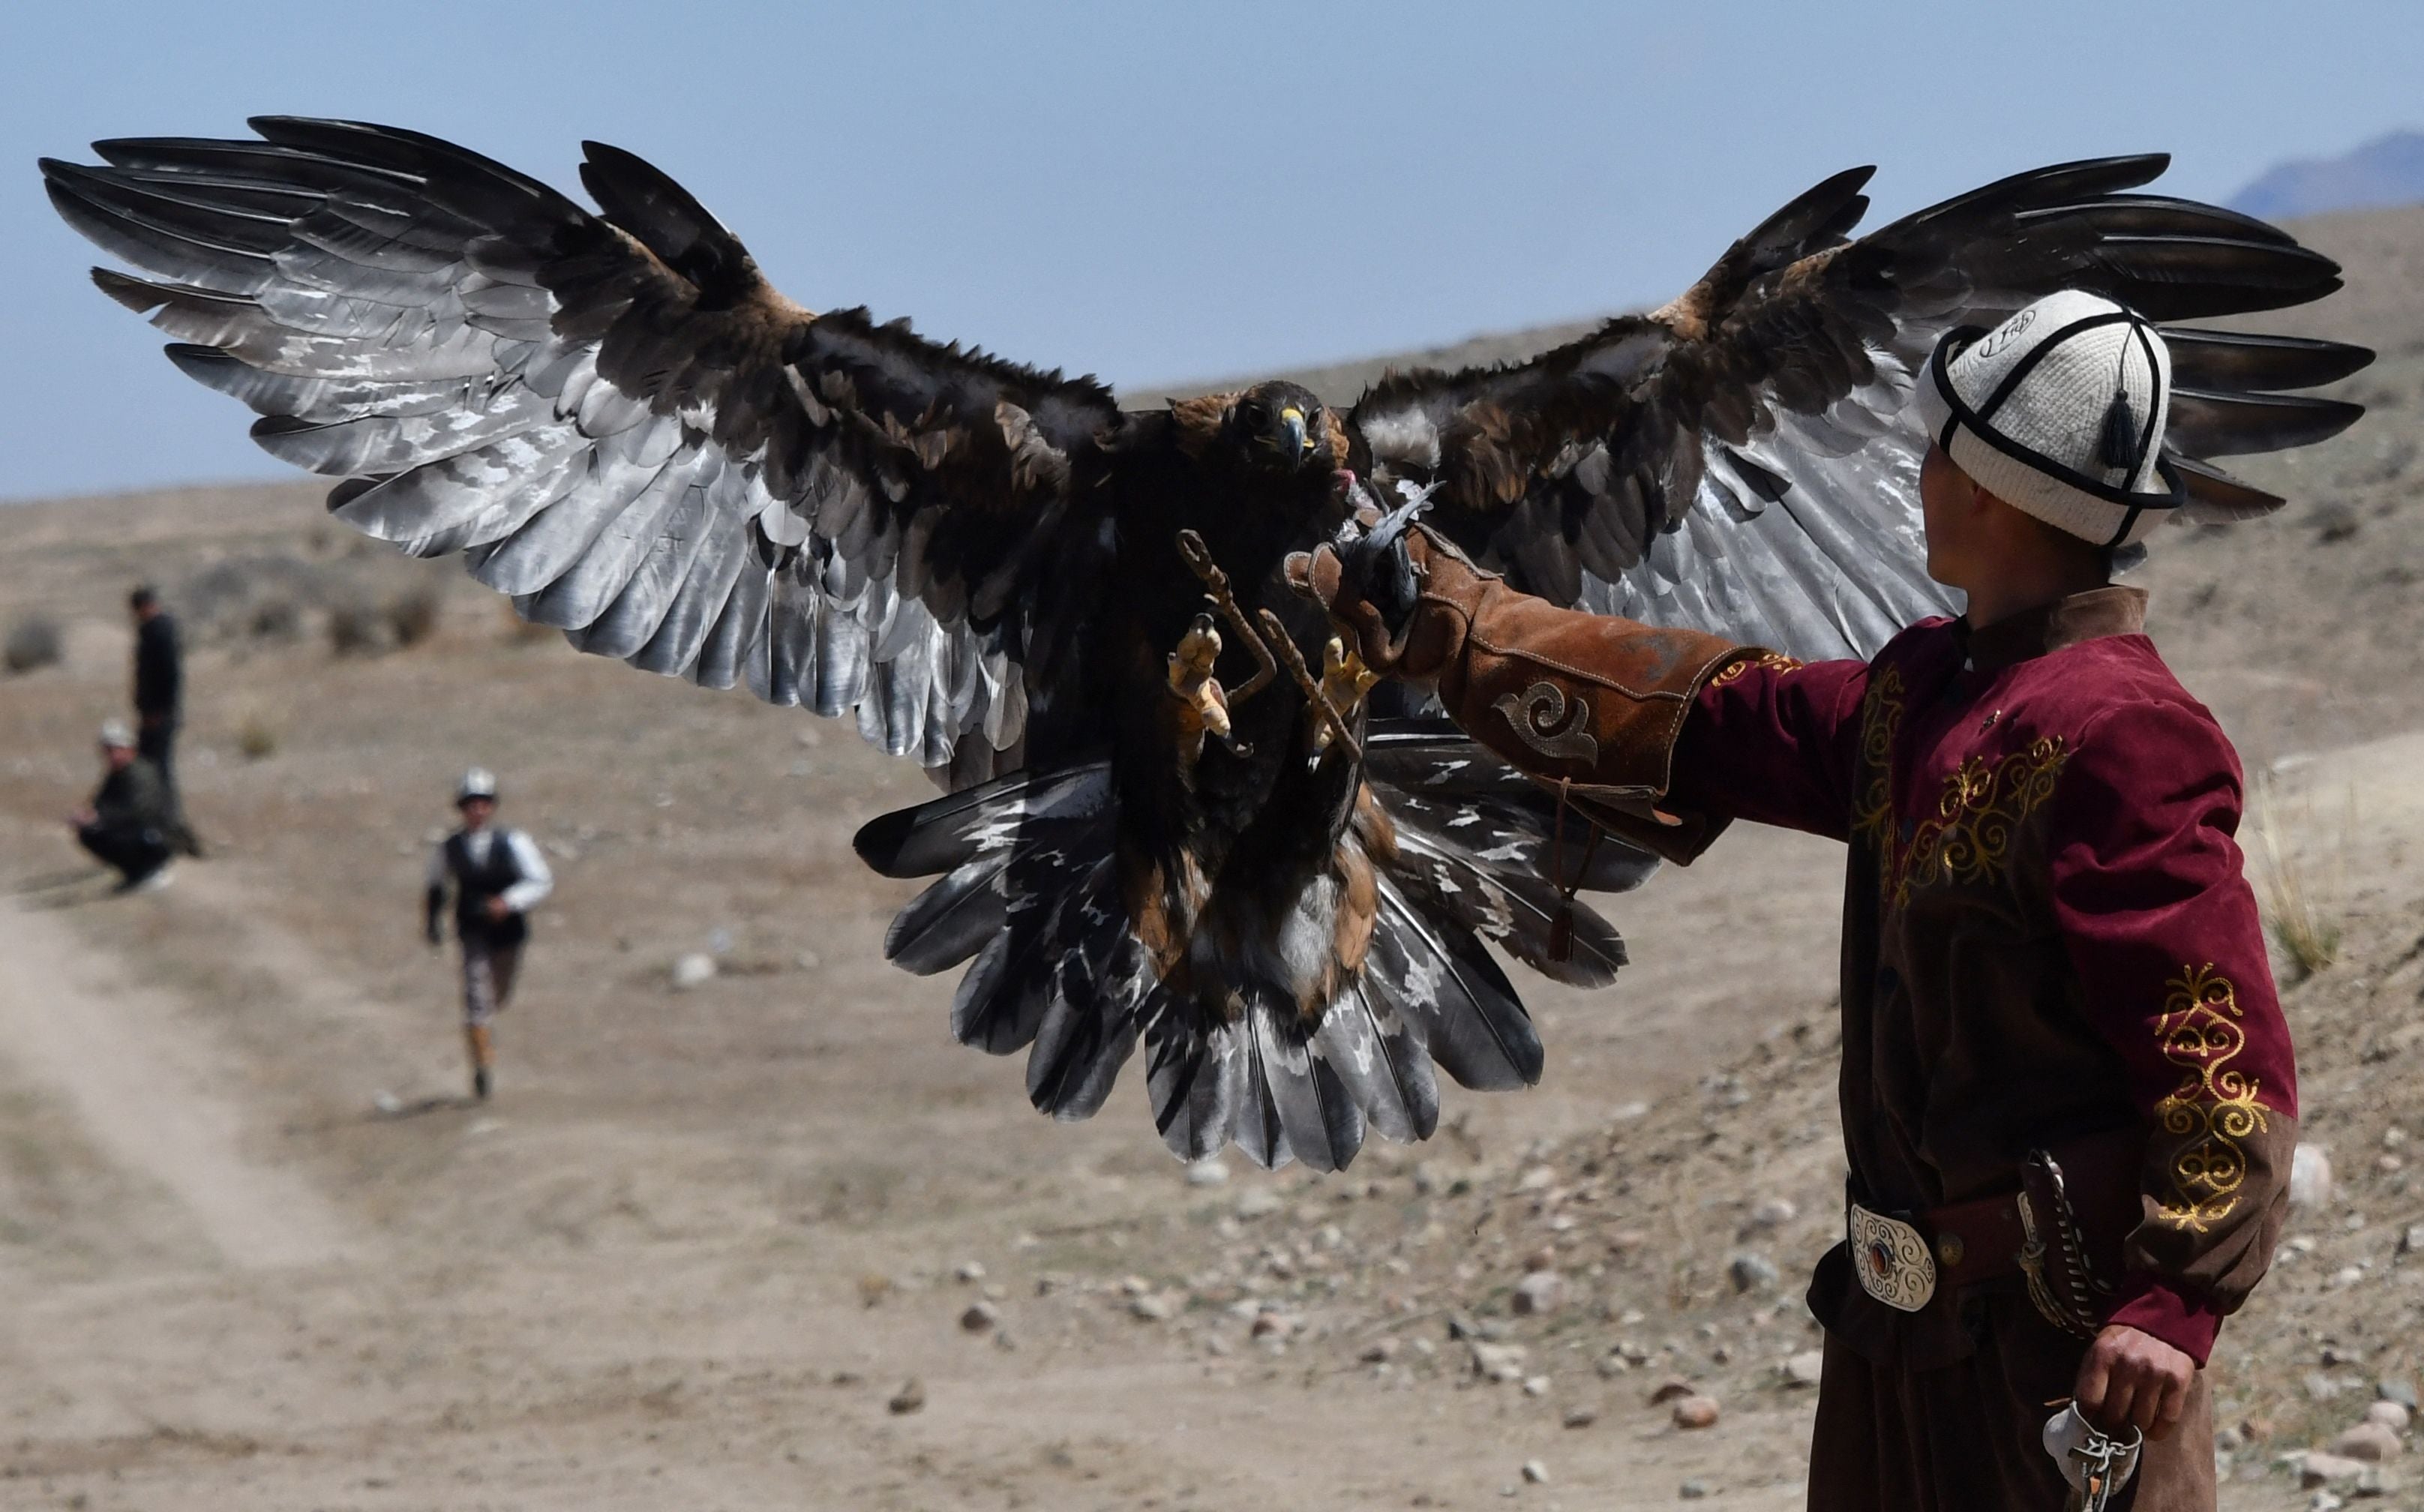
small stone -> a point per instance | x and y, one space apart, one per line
1805 1368
2412 1241
694 970
1672 1390
1538 1179
910 1398
1271 1326
1696 1412
1580 1417
2390 1165
2336 1354
1206 1172
2348 1276
968 1273
2319 1387
2324 1502
1692 1490
2392 1415
2377 1480
979 1317
1380 1352
2310 1178
1260 1203
2315 1468
1498 1363
1544 1258
1149 1308
2396 1389
1611 1366
1536 1384
1773 1213
2369 1441
1541 1292
1752 1272
1536 1473
2228 1441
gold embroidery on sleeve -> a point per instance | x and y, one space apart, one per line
1880 721
2214 1107
1767 661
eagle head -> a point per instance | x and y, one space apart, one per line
1280 427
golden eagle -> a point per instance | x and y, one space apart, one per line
1170 817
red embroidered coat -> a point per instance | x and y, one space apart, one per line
2046 933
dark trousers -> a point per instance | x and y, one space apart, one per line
1967 1437
155 740
135 854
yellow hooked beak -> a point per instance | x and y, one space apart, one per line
1293 419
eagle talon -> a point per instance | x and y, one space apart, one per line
1344 681
1203 703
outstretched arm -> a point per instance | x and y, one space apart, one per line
1681 729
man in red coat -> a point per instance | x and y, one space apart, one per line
2069 1097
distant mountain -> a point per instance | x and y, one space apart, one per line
2388 170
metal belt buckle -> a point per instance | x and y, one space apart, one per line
1893 1259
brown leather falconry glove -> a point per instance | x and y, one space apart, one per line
1585 702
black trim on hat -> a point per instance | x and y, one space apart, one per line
1959 414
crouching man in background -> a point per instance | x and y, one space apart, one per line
496 877
131 824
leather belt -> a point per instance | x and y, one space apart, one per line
1904 1259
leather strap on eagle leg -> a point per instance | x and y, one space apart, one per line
1216 588
1561 929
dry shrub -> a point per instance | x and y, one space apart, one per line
275 619
413 618
2308 937
35 642
521 631
356 627
256 736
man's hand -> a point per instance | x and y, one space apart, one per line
1412 639
497 909
2131 1379
83 817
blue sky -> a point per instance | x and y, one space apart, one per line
1155 191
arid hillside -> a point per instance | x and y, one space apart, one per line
772 1240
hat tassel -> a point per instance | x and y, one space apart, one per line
2120 448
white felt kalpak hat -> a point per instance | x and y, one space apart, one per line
477 783
2059 411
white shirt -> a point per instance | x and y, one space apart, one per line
536 882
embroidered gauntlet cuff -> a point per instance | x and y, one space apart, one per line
1584 698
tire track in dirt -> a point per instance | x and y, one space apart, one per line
145 1083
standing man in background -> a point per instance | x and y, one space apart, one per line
497 876
159 681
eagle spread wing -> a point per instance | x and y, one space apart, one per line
617 417
618 423
1739 461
